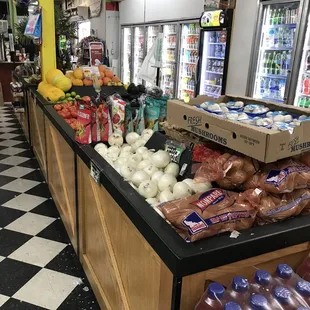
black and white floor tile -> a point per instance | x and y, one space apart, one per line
38 266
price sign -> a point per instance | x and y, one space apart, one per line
95 52
95 172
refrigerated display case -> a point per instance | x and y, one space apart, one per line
126 55
138 51
214 52
189 54
302 96
169 58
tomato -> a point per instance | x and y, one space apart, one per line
74 114
67 115
86 99
73 126
62 114
65 110
57 107
68 121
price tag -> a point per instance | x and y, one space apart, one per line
95 172
175 150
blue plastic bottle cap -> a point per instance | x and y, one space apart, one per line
232 306
258 302
303 308
303 288
284 271
216 291
282 295
240 284
262 277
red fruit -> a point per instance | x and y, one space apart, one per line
57 107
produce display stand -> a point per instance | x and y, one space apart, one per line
132 257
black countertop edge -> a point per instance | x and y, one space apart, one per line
184 258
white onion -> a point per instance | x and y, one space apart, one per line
143 164
137 144
102 151
125 155
156 176
147 131
111 156
181 190
150 170
148 189
116 139
147 155
100 146
165 196
153 202
114 150
127 172
190 183
126 148
138 177
166 181
173 169
134 160
161 159
141 150
120 161
132 137
201 187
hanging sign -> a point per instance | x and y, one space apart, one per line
95 52
213 19
219 4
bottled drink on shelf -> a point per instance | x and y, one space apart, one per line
306 86
258 302
262 282
303 289
276 38
282 89
262 86
273 63
272 88
271 38
239 290
308 61
278 63
287 16
283 64
285 298
212 298
232 306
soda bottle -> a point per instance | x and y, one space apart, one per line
273 64
271 38
282 88
239 290
276 38
303 289
271 17
271 88
277 89
280 39
262 86
258 302
265 63
261 283
304 269
278 63
308 62
283 274
303 308
215 293
232 306
283 64
269 64
287 16
284 298
267 81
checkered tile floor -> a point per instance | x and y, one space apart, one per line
38 266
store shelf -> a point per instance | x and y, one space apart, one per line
189 62
212 94
187 89
213 72
213 57
304 95
190 49
213 85
291 26
171 47
275 76
192 34
272 99
277 48
214 43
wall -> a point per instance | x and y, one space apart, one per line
140 11
99 23
241 45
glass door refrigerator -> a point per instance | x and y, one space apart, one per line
302 95
169 57
138 52
274 50
189 55
214 52
152 33
126 55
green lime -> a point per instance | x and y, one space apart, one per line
68 95
73 94
62 98
77 97
70 99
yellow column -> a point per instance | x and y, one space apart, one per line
48 47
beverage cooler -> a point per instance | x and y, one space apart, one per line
279 60
138 52
214 52
188 60
126 55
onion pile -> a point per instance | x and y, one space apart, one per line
150 173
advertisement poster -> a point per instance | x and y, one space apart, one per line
219 4
95 52
212 19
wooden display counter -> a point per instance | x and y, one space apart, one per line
133 259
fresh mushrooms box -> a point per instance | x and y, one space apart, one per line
266 145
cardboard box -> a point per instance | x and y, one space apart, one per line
262 144
219 4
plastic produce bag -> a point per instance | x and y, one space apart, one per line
34 26
229 171
215 211
274 208
281 177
